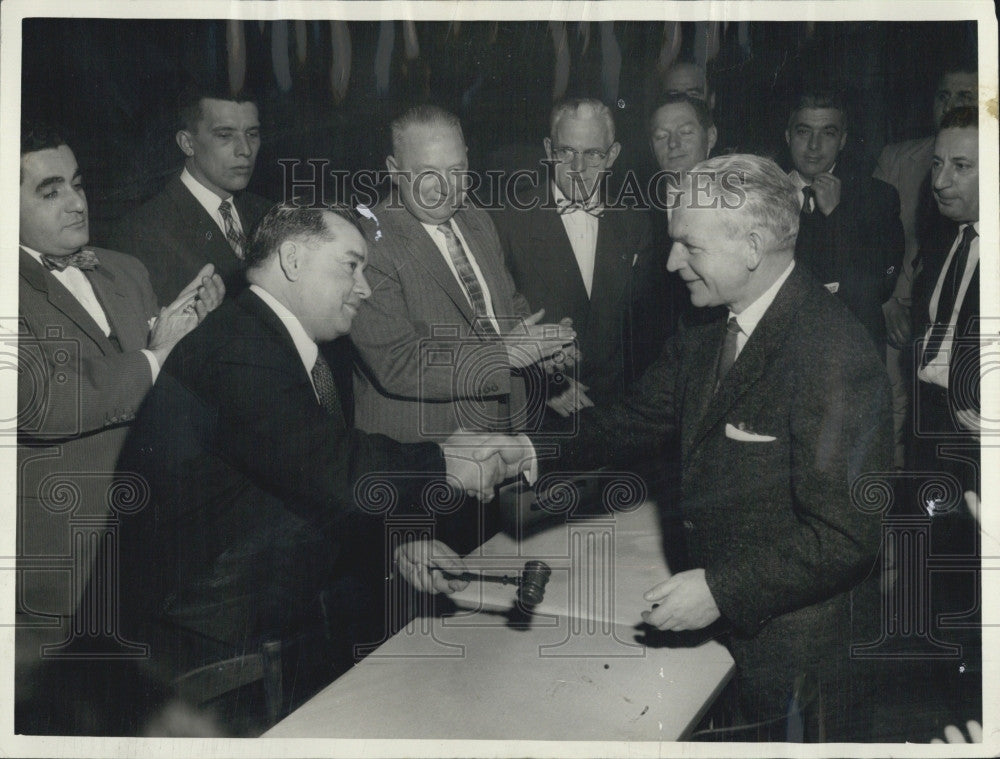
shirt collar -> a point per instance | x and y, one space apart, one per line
208 199
304 344
752 314
560 197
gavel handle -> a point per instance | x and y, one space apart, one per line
469 577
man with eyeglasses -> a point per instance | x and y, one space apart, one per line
576 256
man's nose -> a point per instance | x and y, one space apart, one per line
676 258
243 145
361 286
673 140
942 179
813 141
577 164
76 202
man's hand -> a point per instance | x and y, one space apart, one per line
203 294
571 400
481 461
423 563
548 344
897 322
684 603
827 189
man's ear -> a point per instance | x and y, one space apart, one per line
613 152
393 166
290 260
843 141
788 138
183 138
713 136
547 142
755 249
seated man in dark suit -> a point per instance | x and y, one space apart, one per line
850 235
91 342
779 410
203 215
577 258
253 473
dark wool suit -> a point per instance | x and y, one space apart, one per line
426 372
77 391
773 523
252 511
540 257
174 236
859 246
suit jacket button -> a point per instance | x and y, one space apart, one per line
208 235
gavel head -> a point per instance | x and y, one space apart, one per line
534 578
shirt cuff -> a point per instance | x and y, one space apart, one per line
154 365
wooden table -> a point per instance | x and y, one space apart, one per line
579 668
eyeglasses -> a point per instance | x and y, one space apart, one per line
592 157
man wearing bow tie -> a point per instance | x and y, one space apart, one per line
577 258
91 343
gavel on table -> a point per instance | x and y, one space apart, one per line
530 584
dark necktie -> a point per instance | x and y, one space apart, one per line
83 259
326 387
235 237
727 356
809 199
569 206
949 293
468 278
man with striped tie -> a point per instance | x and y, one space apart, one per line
203 215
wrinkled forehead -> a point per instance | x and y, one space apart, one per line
685 77
958 81
957 142
675 114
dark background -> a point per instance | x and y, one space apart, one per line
110 86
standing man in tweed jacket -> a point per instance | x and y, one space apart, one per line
782 410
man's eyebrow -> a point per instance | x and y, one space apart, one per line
50 181
355 255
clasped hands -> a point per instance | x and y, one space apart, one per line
202 295
478 462
551 346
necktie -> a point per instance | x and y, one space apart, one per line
468 279
809 196
569 206
326 387
727 356
235 236
86 260
949 293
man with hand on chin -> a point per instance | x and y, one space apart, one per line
779 407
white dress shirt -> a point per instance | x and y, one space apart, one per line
80 288
304 345
581 229
750 317
210 201
936 370
442 245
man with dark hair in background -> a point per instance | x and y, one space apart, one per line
203 215
906 166
850 235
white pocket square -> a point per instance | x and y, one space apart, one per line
734 433
832 287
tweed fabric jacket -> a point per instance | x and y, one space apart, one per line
773 520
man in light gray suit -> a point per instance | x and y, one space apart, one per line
445 340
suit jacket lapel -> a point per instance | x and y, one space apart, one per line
767 338
611 265
204 234
63 300
554 260
415 240
132 333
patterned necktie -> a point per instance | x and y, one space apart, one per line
809 196
949 293
326 387
569 206
85 260
468 278
727 356
235 236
